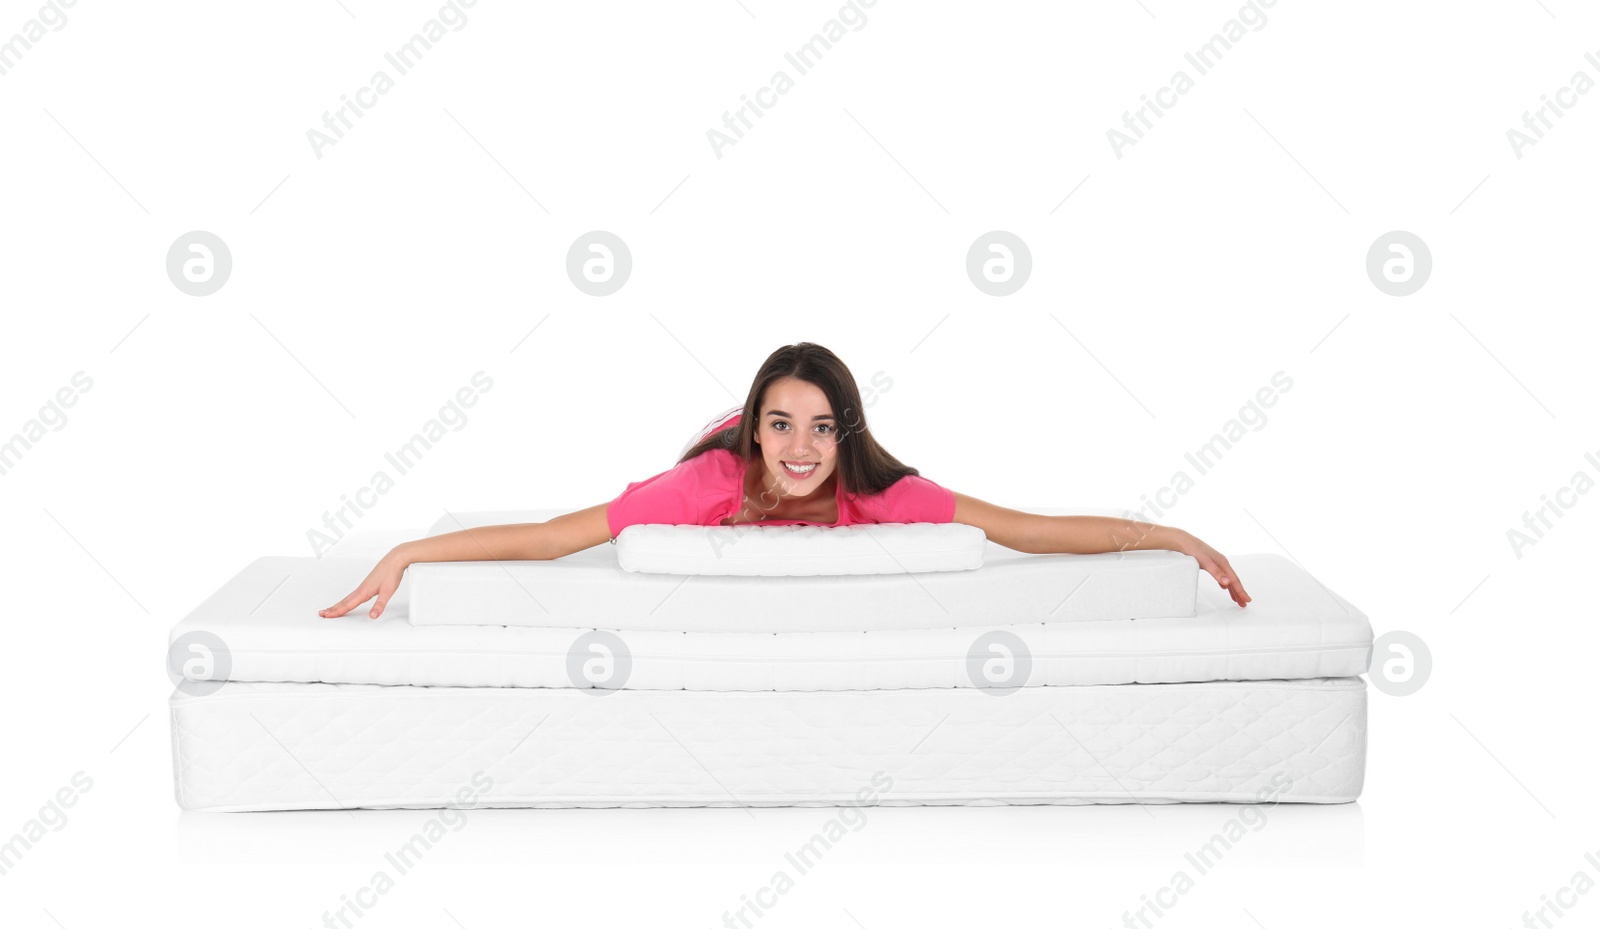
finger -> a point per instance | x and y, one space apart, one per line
384 593
1235 591
1229 583
1234 587
357 597
1228 580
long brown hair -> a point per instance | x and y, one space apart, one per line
865 467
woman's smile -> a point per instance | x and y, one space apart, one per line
799 470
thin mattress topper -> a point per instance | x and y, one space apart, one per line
590 588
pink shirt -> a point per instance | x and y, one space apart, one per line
709 488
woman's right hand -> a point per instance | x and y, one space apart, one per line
380 583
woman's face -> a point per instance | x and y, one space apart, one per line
797 434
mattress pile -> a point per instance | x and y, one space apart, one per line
1118 678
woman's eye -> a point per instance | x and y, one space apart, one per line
781 426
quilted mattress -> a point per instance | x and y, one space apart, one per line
330 746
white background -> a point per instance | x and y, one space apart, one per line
1229 244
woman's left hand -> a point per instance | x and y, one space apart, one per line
1213 563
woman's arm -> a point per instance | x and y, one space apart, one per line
1086 535
563 535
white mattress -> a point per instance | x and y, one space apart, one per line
326 746
590 589
267 618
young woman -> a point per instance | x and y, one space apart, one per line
798 453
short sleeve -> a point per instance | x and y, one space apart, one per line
681 496
911 499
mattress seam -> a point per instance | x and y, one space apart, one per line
1325 684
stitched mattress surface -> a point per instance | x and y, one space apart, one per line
327 746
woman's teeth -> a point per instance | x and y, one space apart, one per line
800 469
